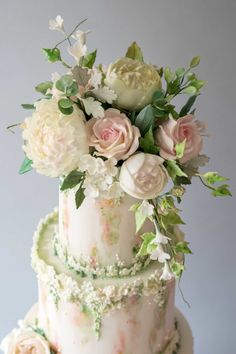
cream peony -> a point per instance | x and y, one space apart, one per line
113 135
25 341
143 176
133 81
53 141
173 132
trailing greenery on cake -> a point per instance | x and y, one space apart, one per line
107 131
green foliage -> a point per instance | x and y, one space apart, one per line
145 119
53 55
68 85
66 106
190 90
73 179
213 177
40 332
177 268
174 170
43 87
179 148
134 52
182 247
188 105
89 59
139 219
26 166
222 191
145 246
79 197
147 143
195 62
28 106
172 218
135 206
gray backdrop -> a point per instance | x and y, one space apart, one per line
170 33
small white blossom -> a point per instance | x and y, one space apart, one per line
93 107
80 36
159 254
160 238
95 78
77 50
57 24
105 94
146 208
166 274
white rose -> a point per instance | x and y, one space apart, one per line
24 341
134 83
53 141
143 176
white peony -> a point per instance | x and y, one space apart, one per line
24 341
53 141
143 176
134 82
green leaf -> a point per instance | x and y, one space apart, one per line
147 239
26 166
134 52
79 197
168 75
190 90
43 87
174 86
157 95
52 55
139 219
72 180
39 331
174 170
66 106
180 72
214 177
135 206
172 218
67 85
145 119
177 268
222 191
198 84
89 59
147 143
182 247
179 149
195 62
27 106
188 105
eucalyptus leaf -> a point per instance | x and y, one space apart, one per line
145 119
26 166
28 106
52 55
157 95
43 87
188 105
89 59
134 52
79 197
73 179
68 85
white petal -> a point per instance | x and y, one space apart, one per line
56 24
77 50
105 94
80 36
93 107
166 274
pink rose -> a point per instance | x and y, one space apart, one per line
173 132
113 135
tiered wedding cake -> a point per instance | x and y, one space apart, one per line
108 258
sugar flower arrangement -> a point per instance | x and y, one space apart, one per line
112 130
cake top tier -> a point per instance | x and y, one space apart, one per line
114 131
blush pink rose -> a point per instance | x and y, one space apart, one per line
113 135
173 132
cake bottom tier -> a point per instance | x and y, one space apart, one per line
185 345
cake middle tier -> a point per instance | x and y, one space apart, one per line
100 232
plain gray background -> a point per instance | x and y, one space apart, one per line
170 32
